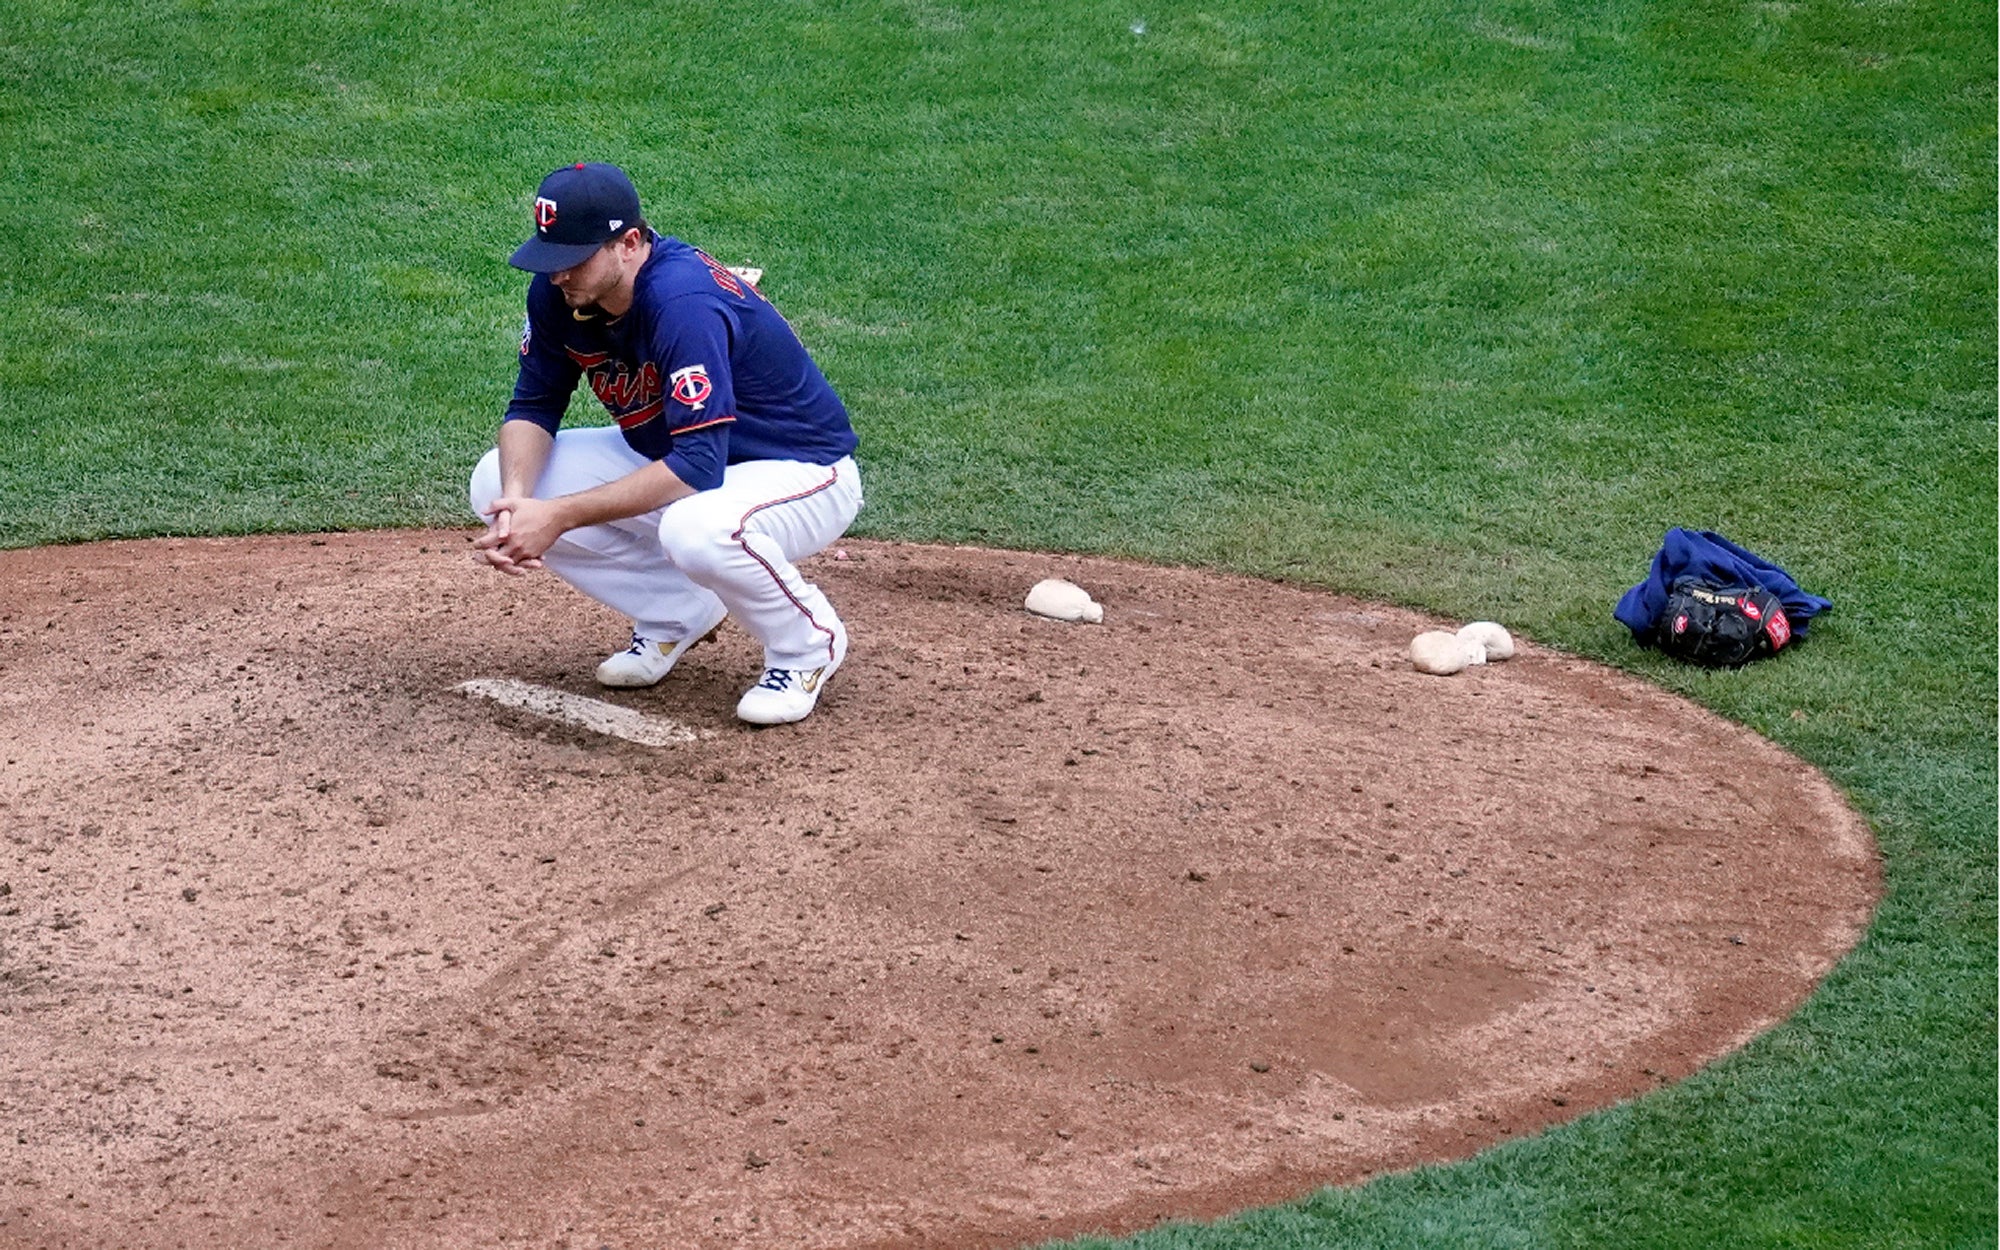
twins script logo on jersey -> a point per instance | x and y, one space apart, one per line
691 385
625 391
545 212
527 334
631 396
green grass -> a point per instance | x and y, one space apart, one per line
1457 304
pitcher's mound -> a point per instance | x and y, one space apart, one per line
1031 929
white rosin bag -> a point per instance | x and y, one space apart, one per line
1064 601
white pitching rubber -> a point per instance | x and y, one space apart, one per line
585 713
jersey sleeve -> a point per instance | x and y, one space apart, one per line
692 344
548 375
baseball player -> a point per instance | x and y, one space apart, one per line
730 458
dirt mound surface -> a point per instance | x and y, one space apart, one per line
1031 929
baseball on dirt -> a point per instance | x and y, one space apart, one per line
1063 601
1491 637
1438 652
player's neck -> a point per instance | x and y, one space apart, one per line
618 301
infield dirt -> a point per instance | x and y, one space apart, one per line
1031 929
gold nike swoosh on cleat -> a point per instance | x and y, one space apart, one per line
811 683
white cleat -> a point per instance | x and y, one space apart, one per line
788 694
647 660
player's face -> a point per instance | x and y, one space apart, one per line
591 281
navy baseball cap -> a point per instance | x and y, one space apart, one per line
578 209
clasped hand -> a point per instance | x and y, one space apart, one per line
518 530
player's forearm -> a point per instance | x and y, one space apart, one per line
524 453
639 491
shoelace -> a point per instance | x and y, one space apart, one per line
638 646
775 679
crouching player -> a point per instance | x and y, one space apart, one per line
731 457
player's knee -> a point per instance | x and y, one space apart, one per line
485 487
703 557
696 543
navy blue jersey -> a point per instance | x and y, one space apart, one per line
700 372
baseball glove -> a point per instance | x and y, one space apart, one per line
1720 626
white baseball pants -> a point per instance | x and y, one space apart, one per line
666 569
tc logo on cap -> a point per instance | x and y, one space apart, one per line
596 202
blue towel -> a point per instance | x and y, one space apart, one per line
1713 558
